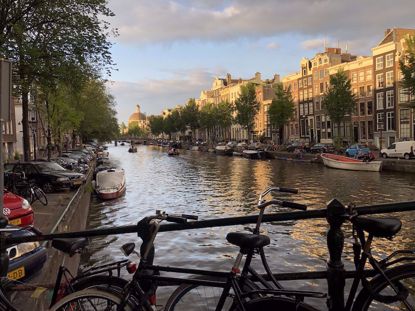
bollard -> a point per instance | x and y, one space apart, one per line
335 268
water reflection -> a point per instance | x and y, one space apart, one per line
214 186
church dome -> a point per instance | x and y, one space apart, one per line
137 115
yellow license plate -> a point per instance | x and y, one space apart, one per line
16 274
78 182
15 222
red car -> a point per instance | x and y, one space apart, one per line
17 210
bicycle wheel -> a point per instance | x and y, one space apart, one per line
276 303
385 298
91 299
188 297
40 195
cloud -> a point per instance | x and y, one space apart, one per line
154 95
273 45
160 21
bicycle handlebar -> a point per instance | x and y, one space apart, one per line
283 204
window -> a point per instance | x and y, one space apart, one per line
310 93
301 96
316 88
379 121
321 73
389 99
370 129
310 108
356 109
305 94
379 81
326 60
404 123
319 61
362 91
379 101
403 95
305 82
318 122
316 75
362 111
321 88
362 130
369 90
379 63
301 109
389 78
389 60
361 76
369 108
390 121
354 77
354 90
300 83
369 75
317 105
310 81
306 109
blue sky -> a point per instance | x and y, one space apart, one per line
168 51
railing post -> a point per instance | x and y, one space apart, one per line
335 267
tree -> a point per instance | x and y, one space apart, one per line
156 125
281 109
42 36
339 101
190 115
407 66
135 130
247 107
208 118
123 128
223 115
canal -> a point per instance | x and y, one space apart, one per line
213 186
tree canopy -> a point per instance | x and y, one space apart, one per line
281 109
339 101
247 107
407 66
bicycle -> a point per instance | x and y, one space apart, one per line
20 185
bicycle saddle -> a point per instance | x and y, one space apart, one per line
247 240
70 246
379 227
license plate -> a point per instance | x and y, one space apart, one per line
16 274
78 182
15 222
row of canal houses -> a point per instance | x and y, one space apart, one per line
380 117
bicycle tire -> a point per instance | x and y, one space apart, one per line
403 275
276 303
91 299
40 195
191 297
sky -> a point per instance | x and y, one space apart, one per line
169 51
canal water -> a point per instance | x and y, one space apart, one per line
213 186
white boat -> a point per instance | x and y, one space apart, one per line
346 163
254 154
110 184
223 150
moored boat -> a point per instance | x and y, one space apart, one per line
110 184
254 154
346 163
173 152
132 149
224 150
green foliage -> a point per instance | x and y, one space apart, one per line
281 109
246 106
136 131
190 114
156 125
223 114
208 116
339 101
123 128
408 69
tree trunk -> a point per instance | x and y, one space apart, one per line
281 135
25 121
48 134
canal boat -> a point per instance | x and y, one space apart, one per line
346 163
173 152
132 149
222 149
254 154
110 183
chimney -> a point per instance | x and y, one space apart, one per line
258 76
228 78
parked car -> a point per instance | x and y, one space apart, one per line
357 150
297 145
26 259
40 173
17 210
402 149
76 156
322 148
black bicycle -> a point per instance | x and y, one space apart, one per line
389 285
20 185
